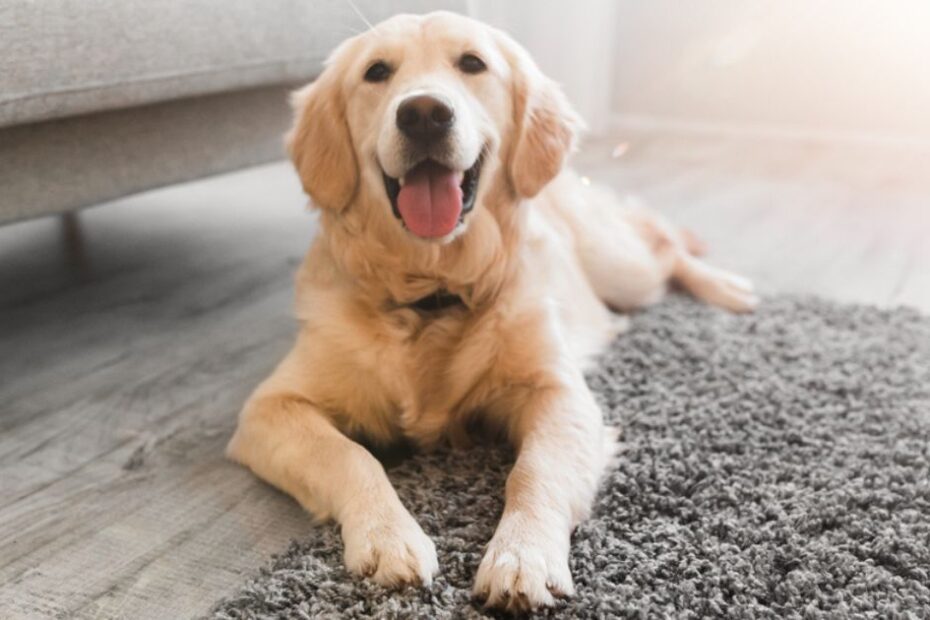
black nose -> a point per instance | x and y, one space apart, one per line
424 118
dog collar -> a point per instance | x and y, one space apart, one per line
437 301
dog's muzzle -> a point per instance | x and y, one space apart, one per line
433 196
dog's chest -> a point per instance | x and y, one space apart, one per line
430 375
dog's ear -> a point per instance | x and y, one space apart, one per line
320 144
546 125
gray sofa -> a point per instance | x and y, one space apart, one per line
100 98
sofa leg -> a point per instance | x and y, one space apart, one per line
72 238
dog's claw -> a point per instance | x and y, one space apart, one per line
522 573
392 551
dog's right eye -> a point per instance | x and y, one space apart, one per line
378 72
469 63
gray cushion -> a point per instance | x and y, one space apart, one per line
74 56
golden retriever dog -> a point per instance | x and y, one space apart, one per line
461 276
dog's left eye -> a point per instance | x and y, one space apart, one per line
378 72
469 63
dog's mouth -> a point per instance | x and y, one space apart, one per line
431 200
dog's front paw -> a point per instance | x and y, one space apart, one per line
523 570
391 548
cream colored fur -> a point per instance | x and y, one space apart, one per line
537 262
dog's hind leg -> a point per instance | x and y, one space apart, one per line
715 286
630 254
679 251
623 269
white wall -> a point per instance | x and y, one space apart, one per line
847 66
571 41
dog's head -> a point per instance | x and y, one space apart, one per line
412 121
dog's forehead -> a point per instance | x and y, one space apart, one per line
439 32
438 24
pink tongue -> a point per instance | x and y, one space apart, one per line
430 200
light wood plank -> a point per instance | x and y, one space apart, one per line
125 380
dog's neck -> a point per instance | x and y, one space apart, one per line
469 272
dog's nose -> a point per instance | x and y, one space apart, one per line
424 118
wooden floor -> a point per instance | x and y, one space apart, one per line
130 336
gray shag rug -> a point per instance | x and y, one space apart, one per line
773 465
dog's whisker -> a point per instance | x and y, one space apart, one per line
354 32
371 27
